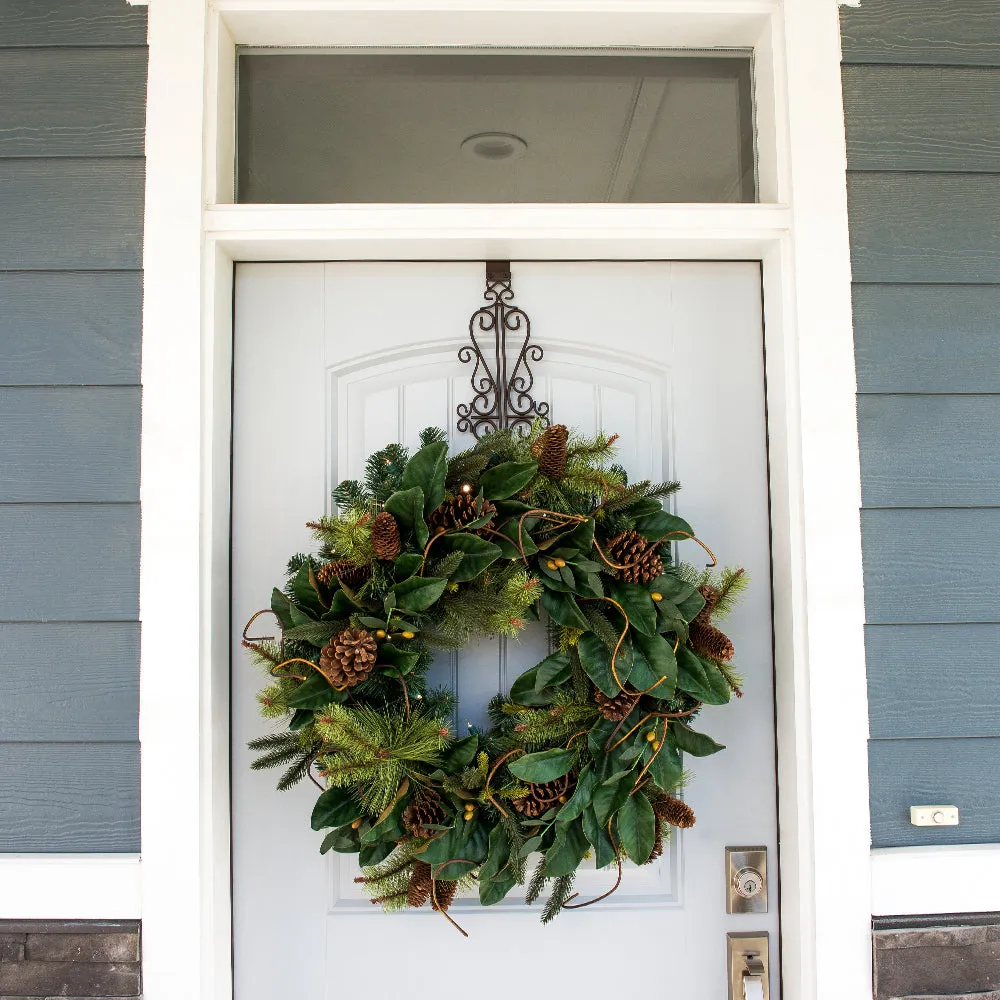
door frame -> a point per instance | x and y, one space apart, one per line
193 235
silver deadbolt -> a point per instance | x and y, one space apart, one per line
748 967
746 880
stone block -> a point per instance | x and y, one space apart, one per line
82 947
937 962
69 979
12 947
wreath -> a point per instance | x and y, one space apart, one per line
583 757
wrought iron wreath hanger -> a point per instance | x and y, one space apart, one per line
502 379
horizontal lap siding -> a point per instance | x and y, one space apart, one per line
72 96
922 105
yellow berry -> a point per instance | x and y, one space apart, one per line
562 798
356 824
380 634
656 596
560 563
408 635
651 736
656 744
552 564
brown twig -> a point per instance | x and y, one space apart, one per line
618 881
496 767
434 900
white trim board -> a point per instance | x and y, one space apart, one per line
800 235
69 887
915 880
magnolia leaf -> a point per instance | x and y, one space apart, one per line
478 554
335 807
343 840
663 527
610 794
427 470
567 850
314 693
546 765
637 828
553 670
595 658
638 605
698 679
523 691
654 669
597 833
581 797
281 606
562 608
506 479
407 507
696 744
419 592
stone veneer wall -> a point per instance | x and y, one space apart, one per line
938 958
71 960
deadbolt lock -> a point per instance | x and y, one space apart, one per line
746 880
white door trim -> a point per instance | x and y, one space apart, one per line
801 237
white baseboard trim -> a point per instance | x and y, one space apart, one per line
70 887
914 880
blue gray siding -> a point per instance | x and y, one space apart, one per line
922 99
72 95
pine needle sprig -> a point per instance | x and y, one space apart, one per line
562 889
537 884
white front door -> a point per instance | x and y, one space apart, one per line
333 361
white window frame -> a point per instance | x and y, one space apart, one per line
193 234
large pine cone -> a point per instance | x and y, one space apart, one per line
462 509
385 536
641 561
422 812
419 889
444 894
657 840
549 450
349 573
348 658
711 642
674 811
541 798
615 708
711 596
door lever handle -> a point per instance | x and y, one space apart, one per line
753 978
748 966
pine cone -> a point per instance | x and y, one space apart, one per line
549 450
424 811
711 596
615 708
462 509
444 894
385 536
711 642
674 811
641 560
657 840
349 573
541 798
348 658
419 889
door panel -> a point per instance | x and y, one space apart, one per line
332 361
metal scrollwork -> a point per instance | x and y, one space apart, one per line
501 389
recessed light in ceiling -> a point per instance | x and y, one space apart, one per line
494 146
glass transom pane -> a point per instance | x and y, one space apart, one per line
339 127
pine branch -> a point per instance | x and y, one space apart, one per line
562 889
731 587
537 883
431 435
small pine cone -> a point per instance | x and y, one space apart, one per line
674 811
541 798
348 658
444 894
711 596
711 642
641 561
615 708
419 889
462 509
424 811
657 840
549 450
349 573
385 536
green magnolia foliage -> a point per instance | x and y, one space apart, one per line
558 774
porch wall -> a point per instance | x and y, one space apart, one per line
72 96
922 97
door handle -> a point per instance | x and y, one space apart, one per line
748 966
